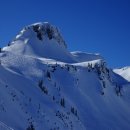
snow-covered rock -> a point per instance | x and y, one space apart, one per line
44 86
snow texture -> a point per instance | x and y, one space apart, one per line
44 86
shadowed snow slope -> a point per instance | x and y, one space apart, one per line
44 86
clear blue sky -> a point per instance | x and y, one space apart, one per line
100 26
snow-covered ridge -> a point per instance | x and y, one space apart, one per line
124 72
45 40
82 56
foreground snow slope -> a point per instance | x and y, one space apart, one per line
124 72
44 86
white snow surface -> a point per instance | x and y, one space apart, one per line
124 72
82 56
45 86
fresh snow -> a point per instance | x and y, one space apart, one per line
44 85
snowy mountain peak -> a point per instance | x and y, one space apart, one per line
124 72
42 31
42 40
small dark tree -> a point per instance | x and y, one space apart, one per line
53 98
107 70
48 75
97 69
75 68
30 99
118 90
44 89
40 83
55 84
31 127
8 44
75 112
103 84
68 68
54 68
72 110
89 67
62 102
102 93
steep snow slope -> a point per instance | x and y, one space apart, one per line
124 72
64 91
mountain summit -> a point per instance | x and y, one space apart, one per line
42 31
44 86
43 40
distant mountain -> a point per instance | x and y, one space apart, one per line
124 72
43 86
